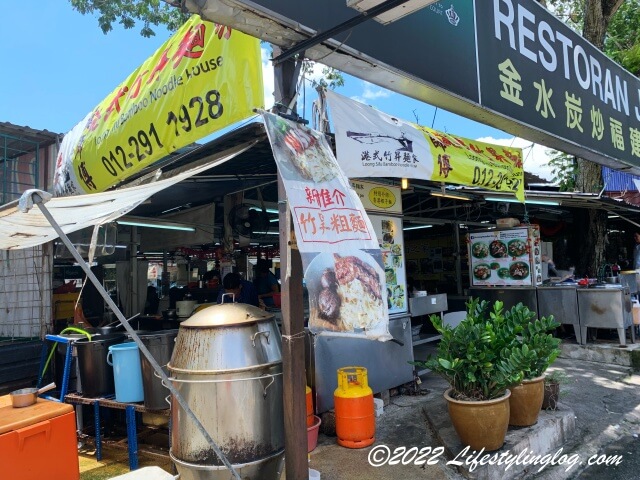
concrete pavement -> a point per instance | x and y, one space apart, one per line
604 398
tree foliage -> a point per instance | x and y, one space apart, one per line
564 168
622 43
131 13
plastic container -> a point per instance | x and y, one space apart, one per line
314 474
354 408
45 449
636 312
127 374
312 434
96 375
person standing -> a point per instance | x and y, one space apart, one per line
636 251
242 291
266 283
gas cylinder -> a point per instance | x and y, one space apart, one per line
354 407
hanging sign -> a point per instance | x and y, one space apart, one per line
373 144
343 268
204 78
376 197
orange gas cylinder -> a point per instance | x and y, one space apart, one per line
355 413
310 419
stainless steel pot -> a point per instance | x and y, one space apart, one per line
227 364
28 396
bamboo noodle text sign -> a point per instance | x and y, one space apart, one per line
373 144
341 257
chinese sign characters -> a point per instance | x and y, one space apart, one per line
340 253
536 70
373 144
188 89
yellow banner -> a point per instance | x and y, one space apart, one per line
204 78
463 161
373 144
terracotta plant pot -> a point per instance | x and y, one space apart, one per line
526 401
551 395
481 424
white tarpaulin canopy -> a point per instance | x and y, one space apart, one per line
23 227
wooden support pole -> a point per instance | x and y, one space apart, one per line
294 378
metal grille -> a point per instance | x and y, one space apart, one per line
20 160
25 292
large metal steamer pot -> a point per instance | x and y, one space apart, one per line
227 364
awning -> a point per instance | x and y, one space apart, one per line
24 229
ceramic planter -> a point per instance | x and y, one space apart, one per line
526 401
480 424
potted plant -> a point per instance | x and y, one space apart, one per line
481 360
552 382
541 350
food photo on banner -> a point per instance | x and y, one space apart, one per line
185 91
341 258
373 144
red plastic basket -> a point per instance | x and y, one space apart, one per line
312 434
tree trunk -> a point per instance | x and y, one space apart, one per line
597 14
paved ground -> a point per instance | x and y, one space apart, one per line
604 397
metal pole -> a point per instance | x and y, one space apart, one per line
37 200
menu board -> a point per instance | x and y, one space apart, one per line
505 257
389 233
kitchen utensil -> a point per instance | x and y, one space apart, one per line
28 396
184 308
112 327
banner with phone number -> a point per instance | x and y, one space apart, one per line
204 78
373 144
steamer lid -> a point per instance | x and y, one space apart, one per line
225 315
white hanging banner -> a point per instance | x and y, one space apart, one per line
373 144
342 263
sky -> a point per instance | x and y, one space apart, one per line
58 65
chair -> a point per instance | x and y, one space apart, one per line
453 319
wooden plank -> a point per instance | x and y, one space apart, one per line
294 379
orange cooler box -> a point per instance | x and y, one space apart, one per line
38 442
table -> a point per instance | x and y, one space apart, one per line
130 415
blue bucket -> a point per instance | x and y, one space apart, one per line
127 374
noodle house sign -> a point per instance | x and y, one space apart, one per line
376 197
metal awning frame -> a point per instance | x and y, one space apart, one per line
38 201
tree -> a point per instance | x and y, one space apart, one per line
153 13
129 12
595 17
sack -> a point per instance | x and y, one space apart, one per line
78 315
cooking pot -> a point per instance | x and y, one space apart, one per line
169 314
184 308
112 327
28 396
611 280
